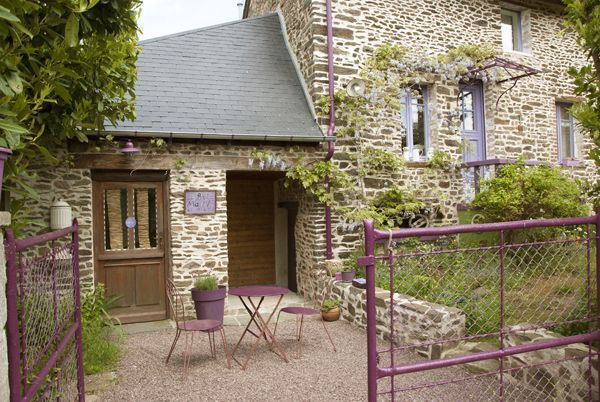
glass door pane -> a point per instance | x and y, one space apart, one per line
115 214
145 216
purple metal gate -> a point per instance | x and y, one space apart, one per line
494 312
44 317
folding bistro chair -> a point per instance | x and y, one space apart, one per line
208 326
316 285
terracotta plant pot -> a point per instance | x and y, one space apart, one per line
210 304
331 315
347 276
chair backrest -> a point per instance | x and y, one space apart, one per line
175 300
316 285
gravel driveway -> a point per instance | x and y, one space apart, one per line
320 375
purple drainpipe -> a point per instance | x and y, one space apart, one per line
329 252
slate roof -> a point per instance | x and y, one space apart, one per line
234 81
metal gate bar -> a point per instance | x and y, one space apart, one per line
498 253
44 314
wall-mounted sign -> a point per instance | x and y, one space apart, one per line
200 202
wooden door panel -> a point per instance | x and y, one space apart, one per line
129 249
148 279
251 233
119 281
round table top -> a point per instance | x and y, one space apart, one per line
258 291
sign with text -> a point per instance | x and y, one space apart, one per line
200 202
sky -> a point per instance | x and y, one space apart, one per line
165 17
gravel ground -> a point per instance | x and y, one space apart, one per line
320 375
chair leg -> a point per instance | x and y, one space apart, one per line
224 338
324 326
187 355
177 334
299 348
212 345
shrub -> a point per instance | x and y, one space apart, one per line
521 192
101 339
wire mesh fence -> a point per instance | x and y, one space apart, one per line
43 321
512 306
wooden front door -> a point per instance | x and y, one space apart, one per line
129 247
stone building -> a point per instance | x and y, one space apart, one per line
224 111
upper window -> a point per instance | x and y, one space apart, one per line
511 30
414 119
566 136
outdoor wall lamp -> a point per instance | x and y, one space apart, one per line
355 87
129 149
60 215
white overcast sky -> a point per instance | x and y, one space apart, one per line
165 17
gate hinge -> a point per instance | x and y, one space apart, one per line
368 260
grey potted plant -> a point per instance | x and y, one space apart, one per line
209 298
330 311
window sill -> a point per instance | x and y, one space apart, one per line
516 53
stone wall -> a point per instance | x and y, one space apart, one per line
521 122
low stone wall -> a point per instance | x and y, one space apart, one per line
416 320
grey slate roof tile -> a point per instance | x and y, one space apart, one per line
235 78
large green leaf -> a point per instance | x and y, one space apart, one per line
12 127
7 15
45 152
72 30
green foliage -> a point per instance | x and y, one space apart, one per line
329 304
388 207
521 192
206 282
439 159
583 17
180 162
313 180
66 66
102 340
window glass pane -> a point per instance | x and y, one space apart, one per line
115 214
467 100
418 123
565 132
510 30
564 113
468 121
145 217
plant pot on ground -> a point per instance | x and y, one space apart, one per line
209 298
330 310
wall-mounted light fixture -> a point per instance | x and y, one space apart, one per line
60 215
355 87
129 149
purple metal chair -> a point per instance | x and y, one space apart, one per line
312 283
208 326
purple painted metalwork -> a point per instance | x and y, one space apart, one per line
318 274
510 296
44 317
473 73
329 252
263 326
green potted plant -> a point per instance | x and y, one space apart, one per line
335 267
330 311
209 298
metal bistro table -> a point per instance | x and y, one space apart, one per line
261 324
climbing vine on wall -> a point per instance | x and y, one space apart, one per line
389 74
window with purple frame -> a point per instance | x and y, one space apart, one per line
511 30
566 135
414 119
